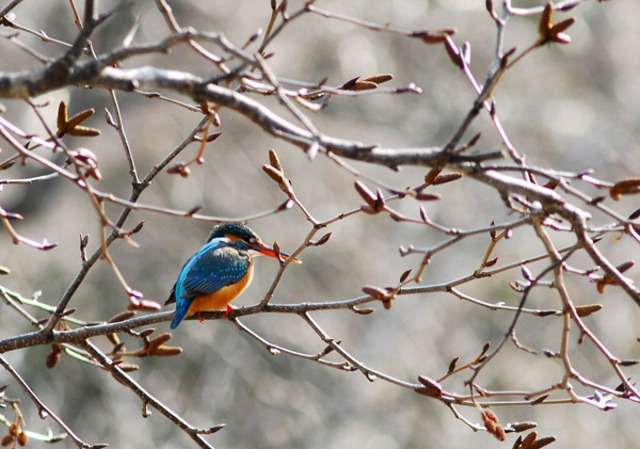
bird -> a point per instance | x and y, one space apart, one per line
219 272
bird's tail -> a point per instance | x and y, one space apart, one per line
172 296
181 312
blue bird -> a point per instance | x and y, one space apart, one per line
219 272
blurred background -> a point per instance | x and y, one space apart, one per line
572 107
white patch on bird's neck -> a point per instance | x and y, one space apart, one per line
219 240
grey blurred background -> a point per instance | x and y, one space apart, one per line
570 107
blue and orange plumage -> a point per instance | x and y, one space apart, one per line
219 272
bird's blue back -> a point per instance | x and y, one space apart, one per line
216 265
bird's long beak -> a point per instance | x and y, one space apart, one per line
270 252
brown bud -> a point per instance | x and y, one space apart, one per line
609 280
375 292
629 362
179 169
214 118
167 351
635 214
420 196
432 175
184 171
405 275
128 367
504 61
278 177
490 263
68 312
146 332
215 429
118 347
550 32
423 215
434 36
529 439
54 356
546 19
157 341
145 305
349 84
366 194
549 353
62 116
193 211
23 439
447 177
213 137
274 160
122 316
324 239
561 26
524 425
7 164
452 365
474 140
492 232
328 349
89 160
80 117
364 85
379 204
83 131
540 400
453 51
52 359
492 425
588 309
113 338
429 387
379 79
628 186
526 273
84 241
363 311
137 228
542 442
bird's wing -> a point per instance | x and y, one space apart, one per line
213 270
172 295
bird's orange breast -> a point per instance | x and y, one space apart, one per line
220 299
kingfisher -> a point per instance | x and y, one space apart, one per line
219 272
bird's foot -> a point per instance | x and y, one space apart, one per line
202 320
230 308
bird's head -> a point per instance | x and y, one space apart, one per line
244 238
